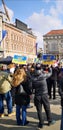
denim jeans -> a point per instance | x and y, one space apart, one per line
21 118
7 96
61 127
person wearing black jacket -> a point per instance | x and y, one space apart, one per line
22 98
52 81
41 94
61 95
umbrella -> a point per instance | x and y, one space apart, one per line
6 60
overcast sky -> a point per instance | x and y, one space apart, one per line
40 15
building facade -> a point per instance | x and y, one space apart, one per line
53 43
19 40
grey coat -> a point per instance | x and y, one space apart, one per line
39 81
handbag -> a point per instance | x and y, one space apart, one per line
22 98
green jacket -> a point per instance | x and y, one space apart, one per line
5 80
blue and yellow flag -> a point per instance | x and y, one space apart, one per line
19 59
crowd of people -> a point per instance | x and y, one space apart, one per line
19 83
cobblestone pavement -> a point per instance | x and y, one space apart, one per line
10 122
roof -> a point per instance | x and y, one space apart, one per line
54 32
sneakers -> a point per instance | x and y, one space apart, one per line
51 122
11 114
1 115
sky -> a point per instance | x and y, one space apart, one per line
40 15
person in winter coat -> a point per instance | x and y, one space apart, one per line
61 95
53 80
41 94
22 97
5 88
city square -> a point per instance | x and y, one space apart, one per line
31 64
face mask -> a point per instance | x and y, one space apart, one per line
12 70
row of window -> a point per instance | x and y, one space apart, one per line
20 47
53 37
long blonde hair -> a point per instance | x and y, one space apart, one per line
18 77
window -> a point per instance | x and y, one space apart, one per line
6 45
14 46
53 46
61 44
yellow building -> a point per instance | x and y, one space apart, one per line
19 39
